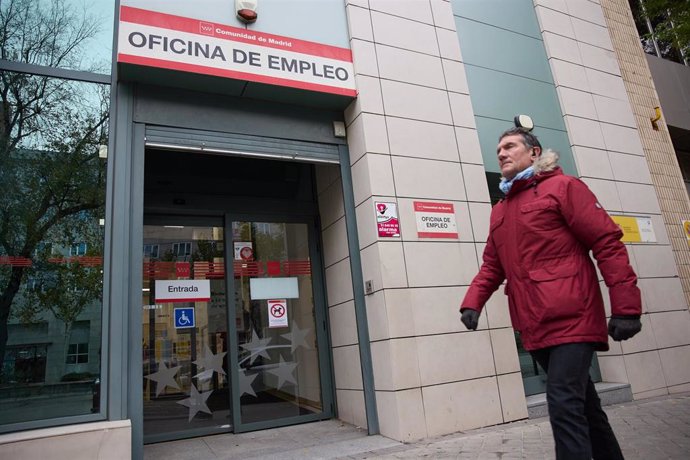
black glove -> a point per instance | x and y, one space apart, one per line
624 327
470 318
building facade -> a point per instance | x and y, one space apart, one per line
212 226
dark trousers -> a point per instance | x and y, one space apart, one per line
580 427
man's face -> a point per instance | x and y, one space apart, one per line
514 156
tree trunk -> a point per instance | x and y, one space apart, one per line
6 300
65 349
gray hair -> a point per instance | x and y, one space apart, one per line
529 139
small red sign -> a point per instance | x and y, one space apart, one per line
277 313
278 310
182 270
387 222
273 267
246 253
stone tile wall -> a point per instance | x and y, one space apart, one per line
607 97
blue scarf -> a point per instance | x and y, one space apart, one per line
505 184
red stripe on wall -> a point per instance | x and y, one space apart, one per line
433 207
436 235
200 299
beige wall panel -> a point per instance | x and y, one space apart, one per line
452 357
395 364
343 324
512 391
346 367
462 406
645 372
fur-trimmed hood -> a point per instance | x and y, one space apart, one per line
547 161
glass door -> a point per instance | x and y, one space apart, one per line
534 377
185 332
253 359
281 373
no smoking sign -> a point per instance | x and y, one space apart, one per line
277 313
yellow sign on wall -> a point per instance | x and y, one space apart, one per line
636 229
686 227
631 231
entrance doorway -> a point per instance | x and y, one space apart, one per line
233 318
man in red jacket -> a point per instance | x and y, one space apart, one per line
540 238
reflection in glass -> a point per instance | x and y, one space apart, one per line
276 329
69 34
52 198
185 341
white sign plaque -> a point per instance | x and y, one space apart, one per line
183 291
155 39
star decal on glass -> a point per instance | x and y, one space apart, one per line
284 372
164 377
196 402
297 337
211 363
257 347
246 382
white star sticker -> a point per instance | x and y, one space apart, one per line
165 377
257 347
246 383
196 402
284 372
297 337
210 363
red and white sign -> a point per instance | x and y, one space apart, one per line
387 221
243 250
166 41
435 220
183 270
183 291
277 313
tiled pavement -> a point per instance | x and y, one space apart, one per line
649 429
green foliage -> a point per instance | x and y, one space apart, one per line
206 250
671 22
65 289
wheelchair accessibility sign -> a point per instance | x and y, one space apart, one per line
184 317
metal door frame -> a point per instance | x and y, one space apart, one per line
320 313
125 361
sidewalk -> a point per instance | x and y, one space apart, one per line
649 429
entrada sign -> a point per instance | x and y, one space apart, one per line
166 41
182 291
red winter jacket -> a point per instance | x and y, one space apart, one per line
540 237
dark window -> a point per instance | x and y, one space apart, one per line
26 363
182 249
77 353
151 250
78 249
